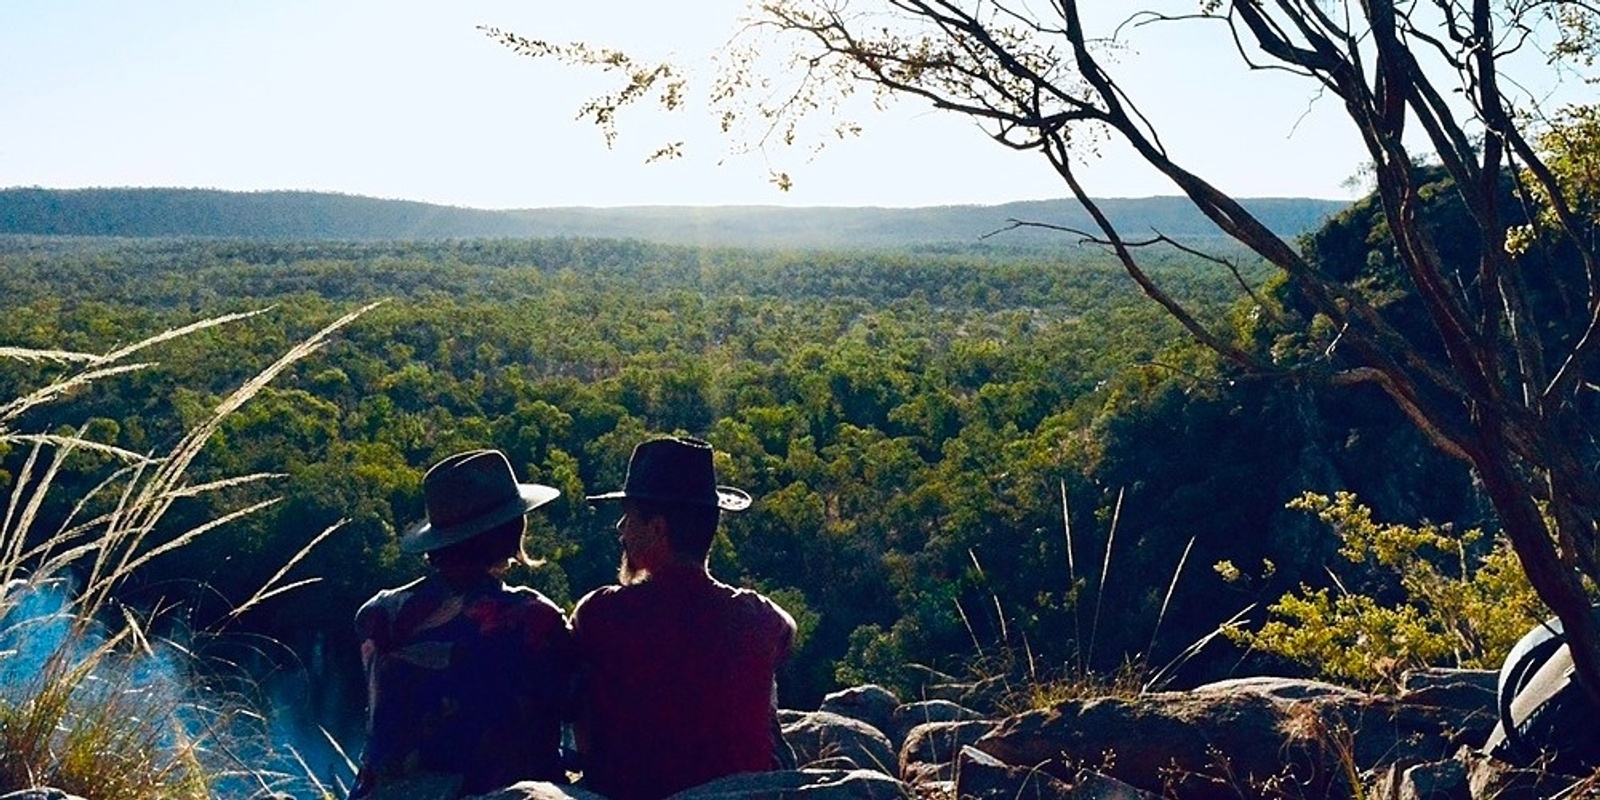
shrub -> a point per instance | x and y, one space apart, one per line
1462 601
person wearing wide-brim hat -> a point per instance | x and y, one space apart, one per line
677 671
465 675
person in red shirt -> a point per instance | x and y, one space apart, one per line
677 671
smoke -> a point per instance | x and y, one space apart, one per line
35 625
243 735
312 718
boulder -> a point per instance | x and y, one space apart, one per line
930 749
1461 689
1435 780
922 712
810 784
1492 779
538 790
870 703
1280 689
781 785
421 786
1091 785
1235 739
821 739
982 777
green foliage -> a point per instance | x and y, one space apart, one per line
875 656
1568 147
1460 601
901 419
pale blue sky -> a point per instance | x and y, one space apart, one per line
406 99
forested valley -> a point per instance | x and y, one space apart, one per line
969 463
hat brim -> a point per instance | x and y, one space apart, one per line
728 498
424 536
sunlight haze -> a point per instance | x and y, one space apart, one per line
409 100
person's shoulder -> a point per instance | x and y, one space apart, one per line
610 608
531 597
597 601
760 605
533 607
387 600
753 598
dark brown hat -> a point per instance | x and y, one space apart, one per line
467 494
676 469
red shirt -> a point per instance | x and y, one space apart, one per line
677 684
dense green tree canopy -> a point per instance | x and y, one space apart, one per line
911 425
1494 359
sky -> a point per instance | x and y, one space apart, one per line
407 99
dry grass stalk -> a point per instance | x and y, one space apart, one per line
34 354
87 719
60 388
1172 586
1105 571
274 585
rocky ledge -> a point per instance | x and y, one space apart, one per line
1243 739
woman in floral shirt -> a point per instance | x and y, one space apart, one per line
465 675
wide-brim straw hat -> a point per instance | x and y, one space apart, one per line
675 469
467 494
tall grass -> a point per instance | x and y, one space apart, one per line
1006 674
89 703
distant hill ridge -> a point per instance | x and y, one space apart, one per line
159 212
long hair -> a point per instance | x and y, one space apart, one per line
490 550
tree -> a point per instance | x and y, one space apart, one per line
1494 364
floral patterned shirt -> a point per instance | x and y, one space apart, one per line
462 680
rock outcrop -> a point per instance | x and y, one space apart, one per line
822 739
1258 738
903 719
870 703
930 750
810 784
